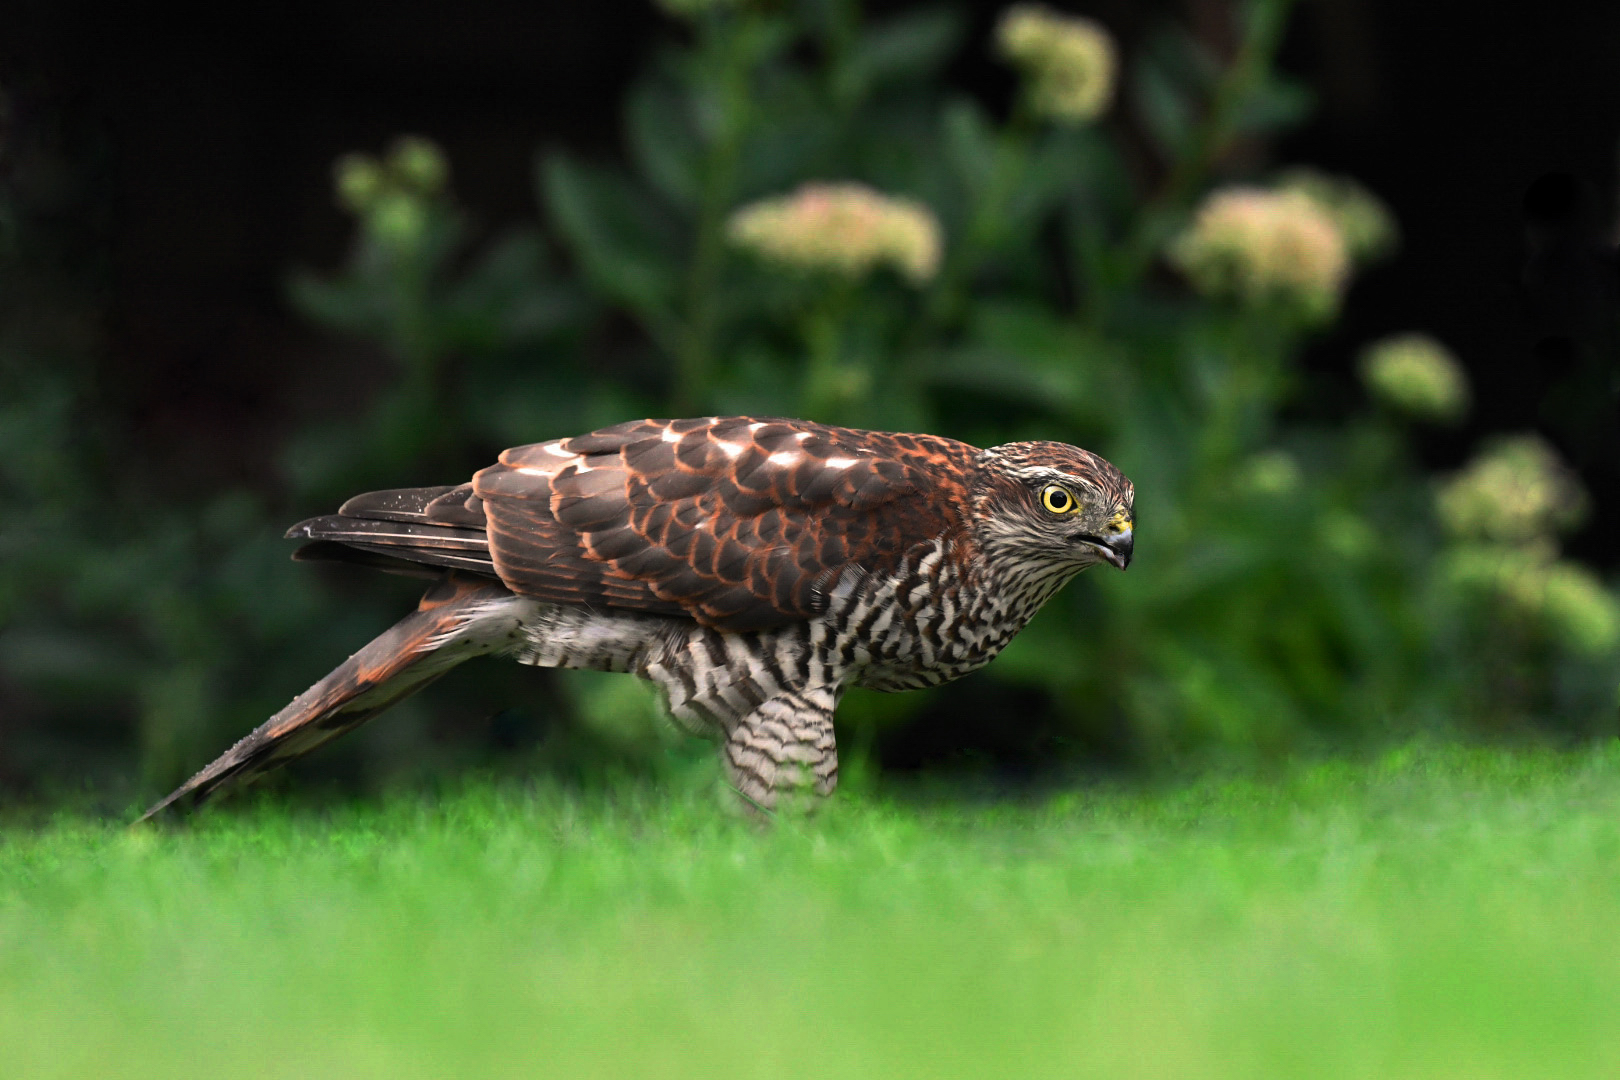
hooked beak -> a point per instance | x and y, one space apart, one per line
1117 548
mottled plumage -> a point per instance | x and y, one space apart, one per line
751 569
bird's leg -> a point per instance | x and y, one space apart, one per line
783 752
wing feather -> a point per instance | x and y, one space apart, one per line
729 520
735 522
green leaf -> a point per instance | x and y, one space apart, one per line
1052 167
908 47
970 143
1275 105
1171 80
1020 351
1163 107
613 234
663 143
507 298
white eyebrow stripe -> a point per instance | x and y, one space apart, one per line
1053 476
784 457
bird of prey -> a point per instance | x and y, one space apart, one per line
751 569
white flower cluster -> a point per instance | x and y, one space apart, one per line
1534 584
1516 491
1506 508
1365 223
1416 375
1260 246
1069 63
845 228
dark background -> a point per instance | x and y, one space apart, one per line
211 142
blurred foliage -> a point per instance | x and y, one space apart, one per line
808 220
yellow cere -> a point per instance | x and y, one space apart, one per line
1120 522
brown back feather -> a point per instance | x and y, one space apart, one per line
735 522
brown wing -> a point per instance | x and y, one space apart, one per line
735 522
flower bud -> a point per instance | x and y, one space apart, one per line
358 180
397 219
419 165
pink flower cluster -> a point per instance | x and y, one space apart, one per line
1258 245
845 228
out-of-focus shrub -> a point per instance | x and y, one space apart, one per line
808 220
995 280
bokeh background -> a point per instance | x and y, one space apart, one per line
216 319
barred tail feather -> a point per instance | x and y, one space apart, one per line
460 617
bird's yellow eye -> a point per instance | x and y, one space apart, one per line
1057 499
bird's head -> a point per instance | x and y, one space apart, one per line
1053 508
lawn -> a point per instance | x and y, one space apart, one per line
1429 912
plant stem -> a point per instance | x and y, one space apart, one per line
694 373
825 395
1264 23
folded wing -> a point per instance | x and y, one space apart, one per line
735 522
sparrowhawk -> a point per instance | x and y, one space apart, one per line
751 569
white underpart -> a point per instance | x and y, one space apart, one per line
926 622
557 636
487 626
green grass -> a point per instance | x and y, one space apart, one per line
1434 912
